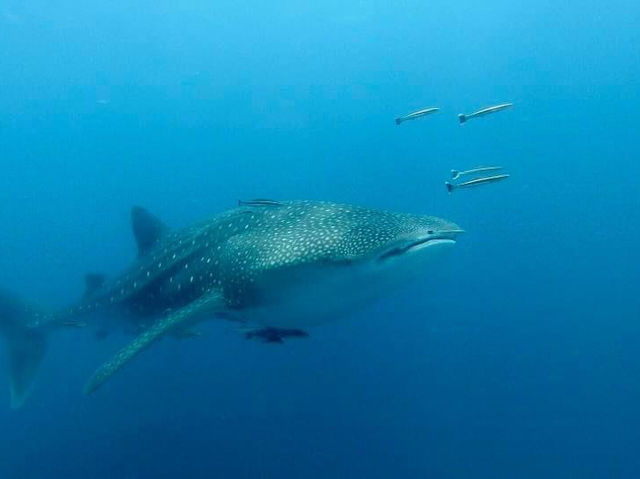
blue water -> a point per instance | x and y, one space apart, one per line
520 359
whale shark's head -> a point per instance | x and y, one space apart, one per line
390 240
309 262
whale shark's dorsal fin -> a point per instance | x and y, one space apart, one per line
147 229
213 302
92 282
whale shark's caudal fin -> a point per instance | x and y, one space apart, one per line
25 345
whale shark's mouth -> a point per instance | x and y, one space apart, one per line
444 238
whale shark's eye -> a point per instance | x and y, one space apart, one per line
429 232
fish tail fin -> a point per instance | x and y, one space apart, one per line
25 346
454 174
449 186
462 118
398 121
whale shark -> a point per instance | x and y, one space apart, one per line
278 267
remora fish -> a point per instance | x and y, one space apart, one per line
283 266
258 202
476 182
416 114
455 174
485 111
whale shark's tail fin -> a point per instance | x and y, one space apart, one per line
25 345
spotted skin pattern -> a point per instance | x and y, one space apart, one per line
220 265
230 251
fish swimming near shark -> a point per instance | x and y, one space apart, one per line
462 118
475 182
280 266
455 174
416 114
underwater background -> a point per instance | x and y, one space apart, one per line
519 359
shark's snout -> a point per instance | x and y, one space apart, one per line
433 237
442 232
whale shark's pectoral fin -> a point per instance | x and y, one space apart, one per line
211 303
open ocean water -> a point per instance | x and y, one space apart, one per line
518 357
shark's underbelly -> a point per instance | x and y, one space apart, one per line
311 295
310 298
299 312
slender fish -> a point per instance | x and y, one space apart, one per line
416 114
259 202
455 174
476 182
485 111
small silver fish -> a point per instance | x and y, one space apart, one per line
259 202
416 114
476 182
485 111
455 174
